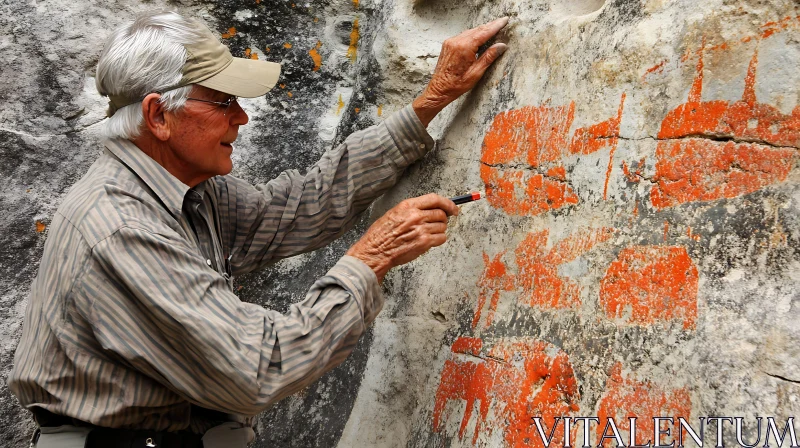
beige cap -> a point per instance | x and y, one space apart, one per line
209 63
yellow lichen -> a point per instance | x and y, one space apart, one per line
352 50
315 56
340 104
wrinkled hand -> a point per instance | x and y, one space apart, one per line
458 70
404 233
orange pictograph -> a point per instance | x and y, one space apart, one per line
627 397
522 151
707 150
537 283
646 284
517 379
718 149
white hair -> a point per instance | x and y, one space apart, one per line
141 57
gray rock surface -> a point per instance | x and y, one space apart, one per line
638 251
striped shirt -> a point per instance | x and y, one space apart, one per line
131 320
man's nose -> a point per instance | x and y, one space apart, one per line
238 115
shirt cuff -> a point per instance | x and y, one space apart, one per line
362 283
409 135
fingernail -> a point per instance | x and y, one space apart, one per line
501 48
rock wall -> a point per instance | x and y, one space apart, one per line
637 254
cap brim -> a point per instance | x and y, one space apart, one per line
246 78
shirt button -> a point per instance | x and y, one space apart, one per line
422 146
208 261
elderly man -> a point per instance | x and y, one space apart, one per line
133 335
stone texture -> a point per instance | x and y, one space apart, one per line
637 252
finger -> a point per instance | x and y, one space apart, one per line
488 57
433 228
434 215
433 200
437 239
483 33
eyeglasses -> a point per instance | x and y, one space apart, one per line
223 104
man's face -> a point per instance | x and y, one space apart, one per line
201 134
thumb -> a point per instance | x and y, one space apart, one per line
489 56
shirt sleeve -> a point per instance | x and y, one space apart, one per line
297 213
154 304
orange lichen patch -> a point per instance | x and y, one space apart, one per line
230 33
339 105
289 94
355 4
538 276
518 380
380 110
315 56
626 397
537 282
40 226
352 50
647 284
690 170
316 19
268 49
282 86
494 279
357 109
537 137
287 45
249 54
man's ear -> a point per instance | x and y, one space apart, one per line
154 118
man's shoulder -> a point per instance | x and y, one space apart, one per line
109 197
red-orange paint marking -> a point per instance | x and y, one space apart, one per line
538 137
517 380
767 30
666 230
537 282
495 278
648 284
628 397
689 169
656 68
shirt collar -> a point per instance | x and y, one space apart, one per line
167 187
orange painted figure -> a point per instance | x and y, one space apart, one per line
625 398
517 380
647 284
495 278
704 169
521 161
538 283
